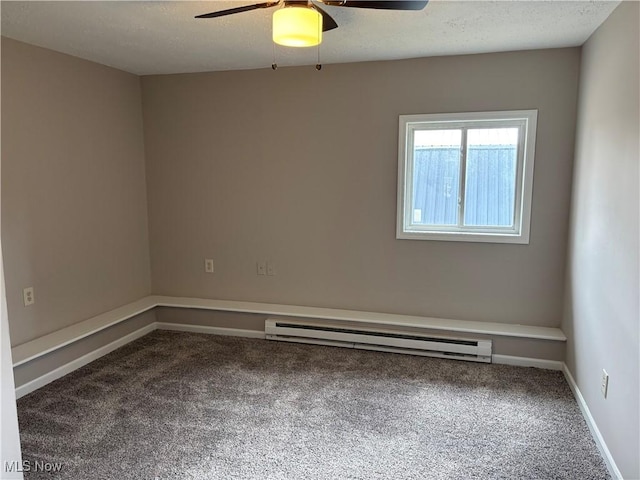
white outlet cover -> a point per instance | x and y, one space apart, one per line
208 265
28 296
604 387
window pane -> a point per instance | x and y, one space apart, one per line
492 158
436 176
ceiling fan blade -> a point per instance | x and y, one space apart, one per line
231 11
379 4
328 23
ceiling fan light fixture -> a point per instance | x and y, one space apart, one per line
297 26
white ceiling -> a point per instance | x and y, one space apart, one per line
163 37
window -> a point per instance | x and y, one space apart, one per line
466 176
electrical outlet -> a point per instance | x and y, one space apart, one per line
604 384
28 296
271 269
208 265
261 268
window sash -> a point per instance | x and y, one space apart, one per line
524 121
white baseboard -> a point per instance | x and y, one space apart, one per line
40 346
35 384
47 378
527 362
591 423
237 332
232 332
593 427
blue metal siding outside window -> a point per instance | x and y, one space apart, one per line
490 185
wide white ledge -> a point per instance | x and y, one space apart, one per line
48 343
485 328
60 338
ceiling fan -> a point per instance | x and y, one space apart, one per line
300 23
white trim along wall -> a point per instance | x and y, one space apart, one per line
25 353
48 343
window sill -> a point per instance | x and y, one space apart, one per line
521 239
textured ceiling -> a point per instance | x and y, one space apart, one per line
163 37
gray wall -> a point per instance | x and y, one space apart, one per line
74 213
299 167
602 313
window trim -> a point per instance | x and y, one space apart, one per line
524 172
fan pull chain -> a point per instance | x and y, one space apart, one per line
274 65
319 65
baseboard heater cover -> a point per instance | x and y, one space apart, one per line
395 341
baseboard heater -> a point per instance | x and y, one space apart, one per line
394 341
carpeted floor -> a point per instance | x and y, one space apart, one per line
191 406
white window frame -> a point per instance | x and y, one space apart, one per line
519 233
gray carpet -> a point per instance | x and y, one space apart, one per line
191 406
